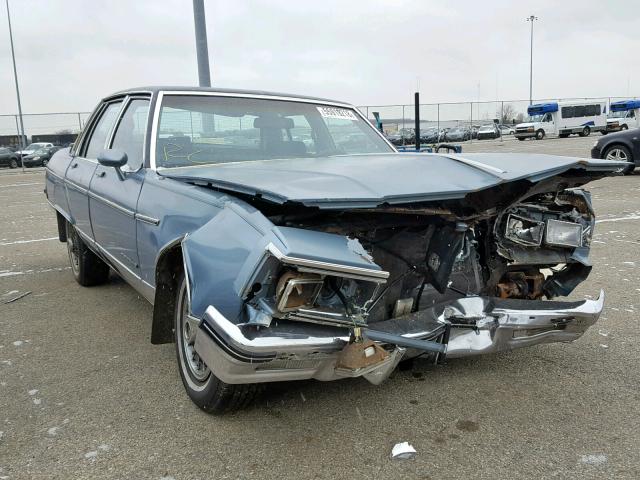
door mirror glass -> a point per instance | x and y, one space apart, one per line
112 158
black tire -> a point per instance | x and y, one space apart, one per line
44 162
87 268
586 131
603 132
624 127
540 134
563 135
521 138
13 163
205 389
620 153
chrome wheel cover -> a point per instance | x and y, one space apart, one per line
74 251
188 325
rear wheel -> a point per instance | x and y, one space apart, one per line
205 389
586 131
87 268
620 153
520 138
13 163
540 134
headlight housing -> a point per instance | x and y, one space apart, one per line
565 234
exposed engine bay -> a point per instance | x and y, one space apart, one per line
536 248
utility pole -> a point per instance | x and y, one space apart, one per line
15 77
531 19
202 51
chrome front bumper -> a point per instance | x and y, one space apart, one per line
476 325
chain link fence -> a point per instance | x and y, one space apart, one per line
52 127
441 116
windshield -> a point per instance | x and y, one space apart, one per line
535 118
620 114
34 146
197 130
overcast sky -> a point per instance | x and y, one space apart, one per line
70 53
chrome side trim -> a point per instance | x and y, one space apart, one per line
120 208
315 265
75 186
146 289
146 219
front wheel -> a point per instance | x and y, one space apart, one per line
540 134
44 162
13 163
586 131
205 389
624 127
620 153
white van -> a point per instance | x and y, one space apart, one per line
623 115
563 119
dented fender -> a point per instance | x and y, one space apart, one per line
223 257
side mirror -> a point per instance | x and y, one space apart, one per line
113 158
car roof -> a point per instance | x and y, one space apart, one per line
240 92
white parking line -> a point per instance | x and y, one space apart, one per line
9 273
18 242
618 219
20 184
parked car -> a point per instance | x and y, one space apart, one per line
488 131
40 157
506 130
430 135
458 134
404 136
277 260
8 158
620 147
33 147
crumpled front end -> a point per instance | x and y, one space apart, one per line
466 327
330 295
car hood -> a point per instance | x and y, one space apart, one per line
524 125
365 181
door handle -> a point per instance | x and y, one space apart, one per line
74 165
100 174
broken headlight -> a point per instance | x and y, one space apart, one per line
297 290
524 230
565 234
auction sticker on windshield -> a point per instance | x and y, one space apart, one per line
333 112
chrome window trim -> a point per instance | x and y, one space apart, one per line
358 272
130 98
162 93
116 206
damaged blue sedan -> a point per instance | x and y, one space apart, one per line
281 238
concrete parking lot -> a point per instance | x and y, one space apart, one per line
84 394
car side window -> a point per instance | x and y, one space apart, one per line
102 129
130 132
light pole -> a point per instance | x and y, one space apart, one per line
531 19
15 76
202 51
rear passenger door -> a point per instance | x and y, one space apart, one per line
80 170
113 195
